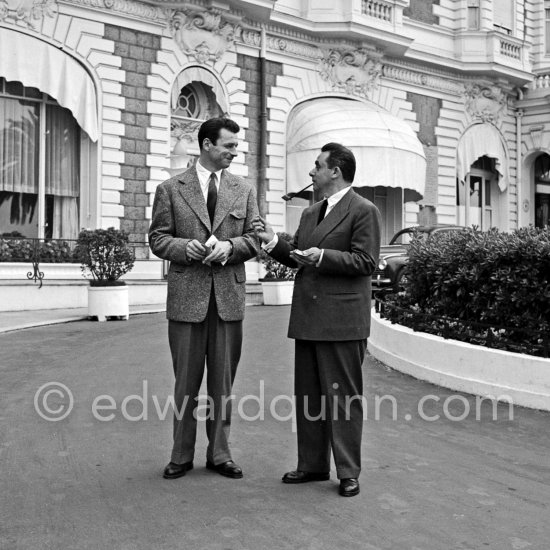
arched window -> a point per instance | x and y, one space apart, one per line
195 103
39 165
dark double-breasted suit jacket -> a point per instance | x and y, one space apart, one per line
332 302
330 322
180 215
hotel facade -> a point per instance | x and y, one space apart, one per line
444 102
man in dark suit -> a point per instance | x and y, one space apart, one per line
336 249
202 223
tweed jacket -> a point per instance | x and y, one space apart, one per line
332 302
180 215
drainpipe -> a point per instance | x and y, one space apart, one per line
262 153
519 182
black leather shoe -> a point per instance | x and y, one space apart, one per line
173 470
349 487
227 469
298 476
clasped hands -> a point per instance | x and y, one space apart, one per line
218 253
265 233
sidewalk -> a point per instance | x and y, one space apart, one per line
18 320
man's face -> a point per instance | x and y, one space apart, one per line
321 174
223 151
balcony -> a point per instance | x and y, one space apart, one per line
380 22
494 54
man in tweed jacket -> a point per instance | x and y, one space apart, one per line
206 289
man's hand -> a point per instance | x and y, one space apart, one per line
221 250
195 250
309 257
262 229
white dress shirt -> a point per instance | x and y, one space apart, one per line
332 201
204 177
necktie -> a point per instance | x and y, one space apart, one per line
323 211
212 196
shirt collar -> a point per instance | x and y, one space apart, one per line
337 197
204 174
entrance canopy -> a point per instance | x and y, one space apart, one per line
478 141
37 64
387 151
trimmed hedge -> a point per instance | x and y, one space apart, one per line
495 278
22 250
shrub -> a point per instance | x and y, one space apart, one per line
105 253
23 250
274 270
495 278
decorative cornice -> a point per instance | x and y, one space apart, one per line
423 79
485 101
204 33
356 72
281 44
29 13
392 69
136 10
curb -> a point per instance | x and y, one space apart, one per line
71 319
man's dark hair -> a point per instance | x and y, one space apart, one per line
342 157
211 129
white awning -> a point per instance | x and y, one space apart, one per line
478 141
198 74
387 151
37 64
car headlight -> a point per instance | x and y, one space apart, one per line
382 264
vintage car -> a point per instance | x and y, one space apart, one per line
390 273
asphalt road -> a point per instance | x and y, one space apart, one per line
93 479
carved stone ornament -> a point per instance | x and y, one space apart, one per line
185 130
536 136
353 71
203 33
27 12
485 101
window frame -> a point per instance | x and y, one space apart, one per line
501 28
86 160
486 208
546 21
473 13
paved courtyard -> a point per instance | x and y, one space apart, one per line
93 479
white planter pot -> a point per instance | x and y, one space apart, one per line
277 293
108 301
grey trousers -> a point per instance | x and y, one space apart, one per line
328 384
219 344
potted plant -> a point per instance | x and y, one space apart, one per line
107 256
278 279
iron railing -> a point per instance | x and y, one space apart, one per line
36 251
516 339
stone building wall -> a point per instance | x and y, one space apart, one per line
251 75
137 50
